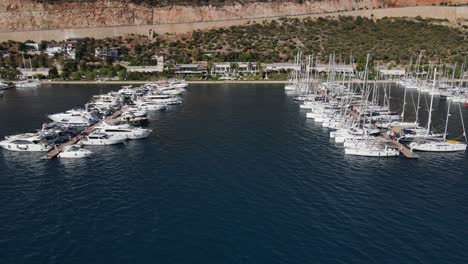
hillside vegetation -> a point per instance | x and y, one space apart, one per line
389 39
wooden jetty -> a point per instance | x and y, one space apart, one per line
402 148
57 149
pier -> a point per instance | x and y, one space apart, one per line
402 148
52 153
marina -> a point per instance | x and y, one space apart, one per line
356 115
234 161
105 120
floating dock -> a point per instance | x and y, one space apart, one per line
52 153
402 148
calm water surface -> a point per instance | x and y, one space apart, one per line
235 175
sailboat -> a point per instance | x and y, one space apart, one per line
28 83
444 145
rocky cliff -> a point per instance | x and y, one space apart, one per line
26 15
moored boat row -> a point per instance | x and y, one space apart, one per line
107 119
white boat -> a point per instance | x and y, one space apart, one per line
74 117
100 139
74 152
373 151
434 146
25 142
150 106
30 83
123 131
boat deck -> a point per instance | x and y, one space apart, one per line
402 148
52 153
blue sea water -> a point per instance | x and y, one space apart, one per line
234 175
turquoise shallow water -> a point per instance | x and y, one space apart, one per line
234 175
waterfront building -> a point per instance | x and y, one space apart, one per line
156 68
337 68
187 69
277 67
226 68
392 72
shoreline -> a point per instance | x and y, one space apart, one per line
216 82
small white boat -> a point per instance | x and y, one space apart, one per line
101 139
74 152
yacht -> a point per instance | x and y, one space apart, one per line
25 142
75 117
438 146
123 131
74 152
101 139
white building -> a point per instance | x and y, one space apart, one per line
221 68
224 68
54 48
270 67
393 72
337 68
157 68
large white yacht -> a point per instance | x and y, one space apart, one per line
101 139
123 131
25 142
75 117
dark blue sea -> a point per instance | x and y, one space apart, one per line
234 175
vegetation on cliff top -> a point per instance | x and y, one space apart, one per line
390 41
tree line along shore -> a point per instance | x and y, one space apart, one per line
392 43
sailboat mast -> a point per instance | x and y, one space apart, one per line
432 102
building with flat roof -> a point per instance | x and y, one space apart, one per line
272 67
156 68
337 68
393 72
185 69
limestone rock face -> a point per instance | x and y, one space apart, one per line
27 15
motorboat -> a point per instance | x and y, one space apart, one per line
75 117
150 106
74 152
123 131
100 139
25 142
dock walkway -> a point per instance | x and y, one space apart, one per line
402 148
57 149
